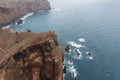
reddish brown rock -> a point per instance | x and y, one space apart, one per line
36 56
11 10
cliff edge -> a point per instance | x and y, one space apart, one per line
30 56
12 10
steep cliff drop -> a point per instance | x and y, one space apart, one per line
12 10
30 56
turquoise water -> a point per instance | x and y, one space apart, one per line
96 21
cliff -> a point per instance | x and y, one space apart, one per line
30 56
11 10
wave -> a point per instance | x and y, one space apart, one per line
74 44
81 39
70 62
73 71
16 24
69 52
55 9
7 27
64 76
42 11
76 56
26 16
90 57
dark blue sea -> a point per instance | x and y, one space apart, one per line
88 26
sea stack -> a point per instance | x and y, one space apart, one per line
36 56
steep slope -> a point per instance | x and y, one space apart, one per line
11 10
30 56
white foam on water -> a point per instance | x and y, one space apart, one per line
26 16
76 56
64 76
81 39
55 9
40 11
71 67
7 27
70 63
73 71
80 57
63 66
90 57
69 52
64 62
20 24
74 44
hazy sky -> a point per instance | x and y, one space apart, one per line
87 1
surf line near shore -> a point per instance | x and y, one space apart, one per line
22 18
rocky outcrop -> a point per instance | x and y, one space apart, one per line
30 56
12 10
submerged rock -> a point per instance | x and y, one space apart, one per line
19 22
36 56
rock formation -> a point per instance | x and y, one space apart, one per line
30 56
12 10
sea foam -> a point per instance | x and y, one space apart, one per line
77 57
74 44
55 10
26 16
73 71
69 52
7 27
81 39
90 57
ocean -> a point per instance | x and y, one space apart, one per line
88 26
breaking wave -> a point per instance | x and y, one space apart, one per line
90 57
7 27
81 39
26 16
64 76
73 71
55 9
20 24
69 52
74 44
70 63
76 56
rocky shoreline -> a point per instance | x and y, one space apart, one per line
12 10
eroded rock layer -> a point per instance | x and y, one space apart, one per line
30 56
11 10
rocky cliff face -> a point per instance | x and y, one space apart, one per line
30 56
11 10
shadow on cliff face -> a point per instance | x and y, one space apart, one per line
12 10
41 60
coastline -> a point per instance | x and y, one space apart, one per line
23 18
11 13
30 48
